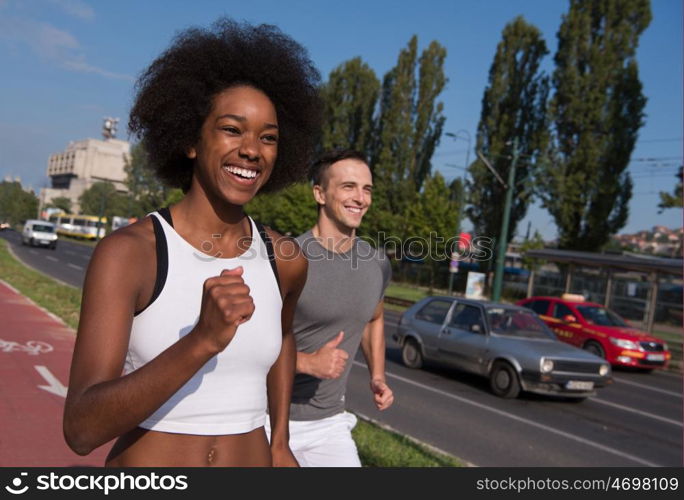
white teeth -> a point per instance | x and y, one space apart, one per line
243 172
354 209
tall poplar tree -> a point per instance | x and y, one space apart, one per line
409 126
350 97
597 110
513 106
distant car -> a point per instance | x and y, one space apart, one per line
5 225
39 233
508 344
600 331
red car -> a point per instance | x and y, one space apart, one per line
599 330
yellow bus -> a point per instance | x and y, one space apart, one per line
79 226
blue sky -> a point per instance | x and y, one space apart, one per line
68 63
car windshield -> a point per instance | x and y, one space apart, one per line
600 316
517 323
43 228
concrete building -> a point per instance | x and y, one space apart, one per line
82 164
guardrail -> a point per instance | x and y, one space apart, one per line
399 302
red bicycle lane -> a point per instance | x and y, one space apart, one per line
35 354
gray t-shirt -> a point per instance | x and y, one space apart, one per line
341 293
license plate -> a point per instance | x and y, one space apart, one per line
579 385
44 242
655 357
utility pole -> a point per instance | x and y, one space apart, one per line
501 252
461 197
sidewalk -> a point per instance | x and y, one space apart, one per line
35 354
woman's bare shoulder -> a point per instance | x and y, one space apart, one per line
131 247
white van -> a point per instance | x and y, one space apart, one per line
40 233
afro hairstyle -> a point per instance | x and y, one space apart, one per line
175 95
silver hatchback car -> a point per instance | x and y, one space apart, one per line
508 344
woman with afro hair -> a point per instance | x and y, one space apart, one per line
185 342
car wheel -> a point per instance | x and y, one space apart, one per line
31 242
595 348
504 380
53 246
411 354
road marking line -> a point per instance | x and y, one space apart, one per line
75 266
49 257
54 385
629 382
626 408
521 419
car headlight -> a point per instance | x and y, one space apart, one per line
603 371
546 365
625 344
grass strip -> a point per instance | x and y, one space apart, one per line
61 300
384 448
405 292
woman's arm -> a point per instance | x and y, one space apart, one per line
101 404
292 271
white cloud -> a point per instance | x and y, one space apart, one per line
52 44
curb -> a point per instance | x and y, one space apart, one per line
414 440
51 314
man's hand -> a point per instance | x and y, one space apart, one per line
382 394
327 362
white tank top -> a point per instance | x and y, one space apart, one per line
228 394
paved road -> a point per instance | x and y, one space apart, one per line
67 262
637 421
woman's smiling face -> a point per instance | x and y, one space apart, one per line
238 145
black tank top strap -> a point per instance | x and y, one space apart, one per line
269 248
166 213
162 252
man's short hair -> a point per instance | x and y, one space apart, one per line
320 166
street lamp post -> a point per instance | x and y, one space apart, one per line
455 136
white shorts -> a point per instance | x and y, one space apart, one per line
323 443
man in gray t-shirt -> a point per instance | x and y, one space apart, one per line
339 309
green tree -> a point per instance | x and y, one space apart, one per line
513 106
432 219
409 126
596 111
103 198
291 211
350 97
673 200
16 205
534 243
145 190
61 202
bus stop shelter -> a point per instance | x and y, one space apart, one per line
655 268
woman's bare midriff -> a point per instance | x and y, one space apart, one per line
145 448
